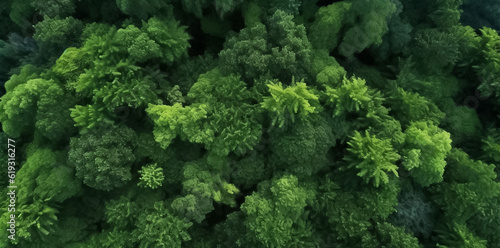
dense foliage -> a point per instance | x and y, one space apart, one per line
262 123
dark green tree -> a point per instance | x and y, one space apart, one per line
103 156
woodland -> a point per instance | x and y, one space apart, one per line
252 124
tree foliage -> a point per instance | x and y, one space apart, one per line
373 157
426 147
276 213
160 228
151 176
103 156
279 48
354 96
36 104
302 148
367 23
262 123
328 19
294 100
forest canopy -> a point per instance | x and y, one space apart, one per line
262 123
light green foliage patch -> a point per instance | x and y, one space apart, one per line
433 145
373 157
293 100
151 176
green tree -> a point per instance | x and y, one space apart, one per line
373 157
121 212
301 148
354 96
172 38
387 235
37 103
48 181
324 32
293 100
458 235
171 121
54 8
234 120
159 227
87 117
327 70
408 107
491 147
487 71
469 187
350 212
203 186
58 32
250 170
276 215
103 156
365 24
280 48
151 176
425 149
